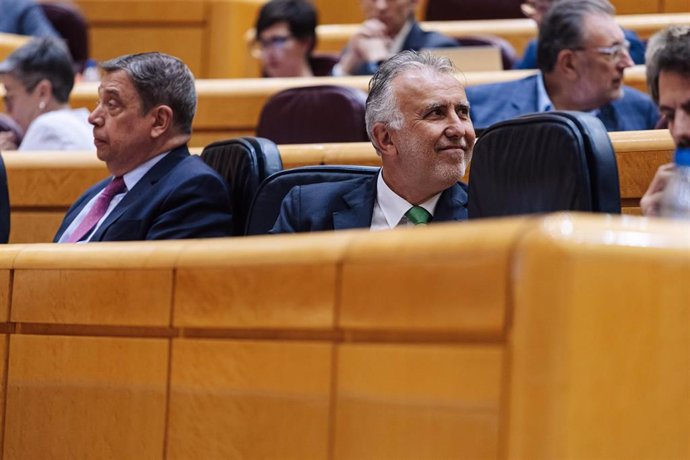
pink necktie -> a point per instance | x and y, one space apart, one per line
98 209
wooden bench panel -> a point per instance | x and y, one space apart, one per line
412 401
384 269
600 329
116 285
84 397
206 285
249 399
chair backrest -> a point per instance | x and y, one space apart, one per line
508 54
544 162
244 162
449 10
71 24
7 123
266 205
314 114
322 63
4 205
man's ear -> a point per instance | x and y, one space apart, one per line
567 64
383 140
162 120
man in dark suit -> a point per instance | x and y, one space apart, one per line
582 55
389 28
141 126
417 117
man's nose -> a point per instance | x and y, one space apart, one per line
680 128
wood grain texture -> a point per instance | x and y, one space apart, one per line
262 283
249 400
72 397
460 286
600 346
411 402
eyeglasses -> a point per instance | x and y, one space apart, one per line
613 53
531 9
277 43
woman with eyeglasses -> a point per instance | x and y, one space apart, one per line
285 39
38 78
537 9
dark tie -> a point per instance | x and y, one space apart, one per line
418 215
98 209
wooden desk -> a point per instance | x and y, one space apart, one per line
231 107
9 43
507 338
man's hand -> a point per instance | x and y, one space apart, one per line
369 44
651 201
8 141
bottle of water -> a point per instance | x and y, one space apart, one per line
91 72
675 202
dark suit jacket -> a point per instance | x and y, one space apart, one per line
350 204
416 40
501 101
180 197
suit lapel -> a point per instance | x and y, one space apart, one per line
452 205
607 115
74 211
360 207
142 188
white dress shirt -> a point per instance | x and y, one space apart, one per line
390 208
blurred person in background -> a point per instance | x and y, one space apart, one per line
38 78
537 9
285 39
390 27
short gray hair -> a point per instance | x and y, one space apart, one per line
160 79
668 49
563 28
382 106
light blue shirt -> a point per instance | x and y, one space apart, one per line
131 178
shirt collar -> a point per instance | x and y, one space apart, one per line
394 206
132 177
399 40
544 103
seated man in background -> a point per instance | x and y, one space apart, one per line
141 127
417 118
38 79
668 76
24 17
390 27
582 56
285 38
536 9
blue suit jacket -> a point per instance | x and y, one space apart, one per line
24 17
637 49
180 197
416 40
350 204
501 101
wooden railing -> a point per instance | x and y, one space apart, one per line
510 339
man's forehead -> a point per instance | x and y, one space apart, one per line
601 27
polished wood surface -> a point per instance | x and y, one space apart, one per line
592 315
600 328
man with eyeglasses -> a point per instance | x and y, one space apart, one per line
390 27
582 55
537 9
